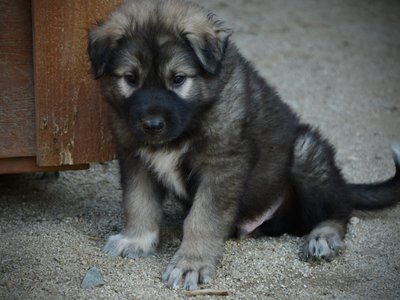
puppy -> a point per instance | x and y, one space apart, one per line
191 116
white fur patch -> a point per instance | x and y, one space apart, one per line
310 154
303 146
184 90
125 88
131 246
165 165
396 153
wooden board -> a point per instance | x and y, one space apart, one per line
17 104
28 164
70 113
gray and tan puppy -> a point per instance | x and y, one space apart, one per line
191 117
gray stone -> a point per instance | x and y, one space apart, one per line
92 279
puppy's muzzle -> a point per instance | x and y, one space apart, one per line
156 116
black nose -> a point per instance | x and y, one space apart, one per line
153 124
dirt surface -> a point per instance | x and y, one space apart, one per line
337 63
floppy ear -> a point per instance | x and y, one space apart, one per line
101 43
208 42
99 54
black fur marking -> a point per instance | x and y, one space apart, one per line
100 55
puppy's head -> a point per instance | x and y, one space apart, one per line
159 57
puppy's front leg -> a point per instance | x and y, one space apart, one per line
206 227
142 208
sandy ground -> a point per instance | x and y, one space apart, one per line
338 64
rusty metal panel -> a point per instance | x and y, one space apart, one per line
71 120
17 104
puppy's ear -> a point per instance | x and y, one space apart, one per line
101 43
208 40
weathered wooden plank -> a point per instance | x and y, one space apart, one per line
17 106
70 114
28 164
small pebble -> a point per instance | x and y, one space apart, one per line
354 220
236 275
92 279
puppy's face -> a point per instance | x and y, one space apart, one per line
157 71
155 83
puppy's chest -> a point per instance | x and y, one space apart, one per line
166 164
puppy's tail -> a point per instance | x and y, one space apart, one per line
379 195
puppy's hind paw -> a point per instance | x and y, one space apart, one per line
324 242
322 248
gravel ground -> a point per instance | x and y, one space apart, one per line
337 64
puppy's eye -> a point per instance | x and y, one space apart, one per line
131 79
178 80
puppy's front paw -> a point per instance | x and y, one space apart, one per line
188 272
131 246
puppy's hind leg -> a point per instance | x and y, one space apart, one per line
322 195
